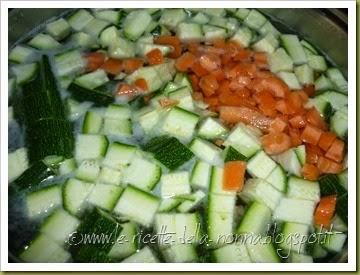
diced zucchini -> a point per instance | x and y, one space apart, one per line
305 74
43 201
303 189
83 40
335 241
206 151
75 193
88 170
80 19
269 28
17 163
301 153
118 155
231 253
212 33
111 16
294 235
278 179
244 140
188 32
126 244
180 253
200 175
144 255
188 205
243 36
142 173
92 80
135 24
69 63
267 44
170 18
90 146
296 51
117 127
121 48
44 250
93 122
137 205
109 35
59 226
295 210
317 62
256 220
110 176
180 123
261 191
255 19
290 79
175 184
44 42
289 161
24 72
280 61
262 251
105 196
216 182
67 166
169 151
58 29
338 79
260 165
22 54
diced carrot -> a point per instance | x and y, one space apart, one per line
277 125
210 61
112 66
219 75
243 55
172 41
168 102
208 84
198 69
309 90
219 43
284 107
155 57
273 84
295 137
230 99
246 115
313 153
297 122
132 64
303 96
213 101
326 139
336 150
239 82
224 87
126 89
94 61
260 60
194 80
310 171
328 166
242 69
232 47
193 47
294 100
325 210
276 143
311 134
185 61
197 96
314 118
233 177
141 85
267 103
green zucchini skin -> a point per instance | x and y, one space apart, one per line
83 94
32 177
47 130
96 223
232 155
169 151
56 138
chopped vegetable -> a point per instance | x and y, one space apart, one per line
234 172
325 211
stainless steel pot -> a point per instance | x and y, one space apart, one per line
325 28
